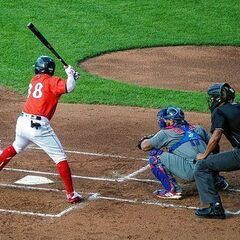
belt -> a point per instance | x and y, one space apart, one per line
34 117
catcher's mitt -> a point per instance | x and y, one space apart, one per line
142 139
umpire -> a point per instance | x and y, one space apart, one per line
225 120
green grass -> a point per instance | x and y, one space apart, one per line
82 29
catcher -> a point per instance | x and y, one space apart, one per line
173 151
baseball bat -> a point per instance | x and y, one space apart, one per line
45 42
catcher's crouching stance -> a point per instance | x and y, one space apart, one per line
33 123
181 143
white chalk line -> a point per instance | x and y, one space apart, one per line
128 177
97 195
79 205
94 196
156 203
56 174
40 188
133 174
96 154
101 178
65 211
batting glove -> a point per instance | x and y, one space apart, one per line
76 75
70 71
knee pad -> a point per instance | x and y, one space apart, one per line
155 152
153 161
154 157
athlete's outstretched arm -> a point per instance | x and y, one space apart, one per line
71 83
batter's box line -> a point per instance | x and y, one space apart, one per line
157 203
95 178
95 196
128 177
47 215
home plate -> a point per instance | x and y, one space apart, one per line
33 180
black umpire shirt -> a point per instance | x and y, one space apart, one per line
227 118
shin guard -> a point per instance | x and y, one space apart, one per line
160 172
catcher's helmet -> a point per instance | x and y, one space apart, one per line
44 64
170 113
219 93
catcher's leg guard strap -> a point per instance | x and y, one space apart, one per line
5 157
158 170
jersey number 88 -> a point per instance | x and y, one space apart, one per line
37 90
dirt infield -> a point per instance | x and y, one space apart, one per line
185 68
111 173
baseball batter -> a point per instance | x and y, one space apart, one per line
33 124
181 143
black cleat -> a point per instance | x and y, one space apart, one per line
214 211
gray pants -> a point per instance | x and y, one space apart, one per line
178 166
205 170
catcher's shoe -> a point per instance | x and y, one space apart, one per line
214 211
168 194
74 197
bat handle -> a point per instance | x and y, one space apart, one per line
63 62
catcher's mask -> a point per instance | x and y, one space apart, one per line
219 93
170 113
44 64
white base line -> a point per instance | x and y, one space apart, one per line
157 203
98 178
96 154
94 196
41 189
85 177
65 211
56 174
133 174
79 205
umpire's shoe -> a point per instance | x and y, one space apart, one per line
214 211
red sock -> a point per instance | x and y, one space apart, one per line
7 154
65 173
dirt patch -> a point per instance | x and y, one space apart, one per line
108 131
184 68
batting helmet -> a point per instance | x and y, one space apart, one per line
44 64
170 113
220 93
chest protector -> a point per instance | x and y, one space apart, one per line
189 136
